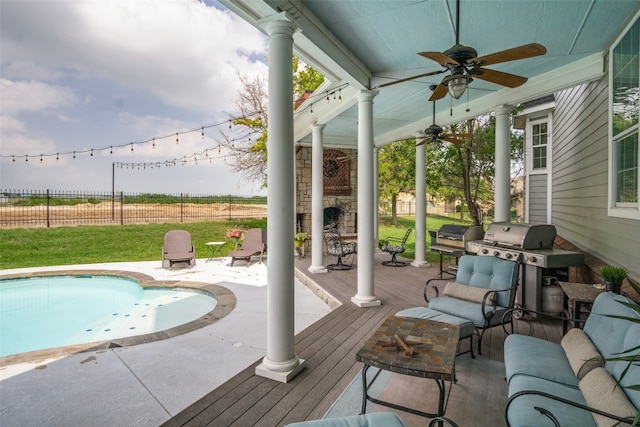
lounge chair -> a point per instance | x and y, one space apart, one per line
394 246
338 247
177 247
254 244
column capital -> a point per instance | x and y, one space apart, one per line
278 24
504 109
367 95
318 126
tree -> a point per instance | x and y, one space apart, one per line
396 171
247 147
467 171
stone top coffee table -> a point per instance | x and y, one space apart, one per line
410 346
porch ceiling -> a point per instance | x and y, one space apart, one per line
368 43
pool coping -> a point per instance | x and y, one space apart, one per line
226 302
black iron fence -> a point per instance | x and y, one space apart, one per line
50 208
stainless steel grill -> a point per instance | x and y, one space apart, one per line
531 245
452 239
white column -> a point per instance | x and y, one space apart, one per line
421 204
502 208
376 195
366 203
317 206
281 362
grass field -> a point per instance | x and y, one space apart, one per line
39 247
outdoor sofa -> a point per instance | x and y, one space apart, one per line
573 383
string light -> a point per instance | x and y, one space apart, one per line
202 134
177 140
154 143
199 129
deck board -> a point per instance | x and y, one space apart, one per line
329 347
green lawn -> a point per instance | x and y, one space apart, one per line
39 247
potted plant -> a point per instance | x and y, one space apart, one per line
299 239
613 277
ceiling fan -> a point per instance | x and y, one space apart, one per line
434 132
464 64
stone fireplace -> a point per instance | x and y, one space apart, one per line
339 188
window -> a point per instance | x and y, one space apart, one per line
539 143
624 86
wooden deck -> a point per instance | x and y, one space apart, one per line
329 347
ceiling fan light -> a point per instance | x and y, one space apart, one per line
456 86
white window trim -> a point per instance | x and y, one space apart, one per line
529 144
629 210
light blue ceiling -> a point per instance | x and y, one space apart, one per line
370 42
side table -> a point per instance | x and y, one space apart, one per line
216 249
427 350
576 294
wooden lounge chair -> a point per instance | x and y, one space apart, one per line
394 246
254 244
177 247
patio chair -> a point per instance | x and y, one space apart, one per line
177 247
394 246
338 247
254 244
483 291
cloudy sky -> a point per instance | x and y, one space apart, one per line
78 75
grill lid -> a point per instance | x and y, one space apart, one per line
521 236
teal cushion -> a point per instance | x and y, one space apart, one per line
466 327
521 412
535 357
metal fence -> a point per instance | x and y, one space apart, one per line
50 208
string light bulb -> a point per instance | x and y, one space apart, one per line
153 143
177 140
202 134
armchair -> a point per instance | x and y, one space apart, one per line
394 246
338 247
484 289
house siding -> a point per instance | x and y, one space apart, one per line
538 198
580 178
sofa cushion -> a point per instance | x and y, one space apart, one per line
466 327
583 356
601 392
535 357
465 309
521 412
378 419
489 273
468 293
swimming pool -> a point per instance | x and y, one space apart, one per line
52 311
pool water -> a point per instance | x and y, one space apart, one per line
52 311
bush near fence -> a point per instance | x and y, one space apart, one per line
27 208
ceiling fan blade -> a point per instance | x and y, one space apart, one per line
452 140
460 135
499 77
424 141
433 73
526 51
439 93
439 57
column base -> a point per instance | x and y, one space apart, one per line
368 302
317 269
420 264
284 377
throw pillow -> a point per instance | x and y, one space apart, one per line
583 356
469 293
601 392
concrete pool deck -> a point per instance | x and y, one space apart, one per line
146 384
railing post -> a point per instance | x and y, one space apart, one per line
121 208
48 223
181 207
229 207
